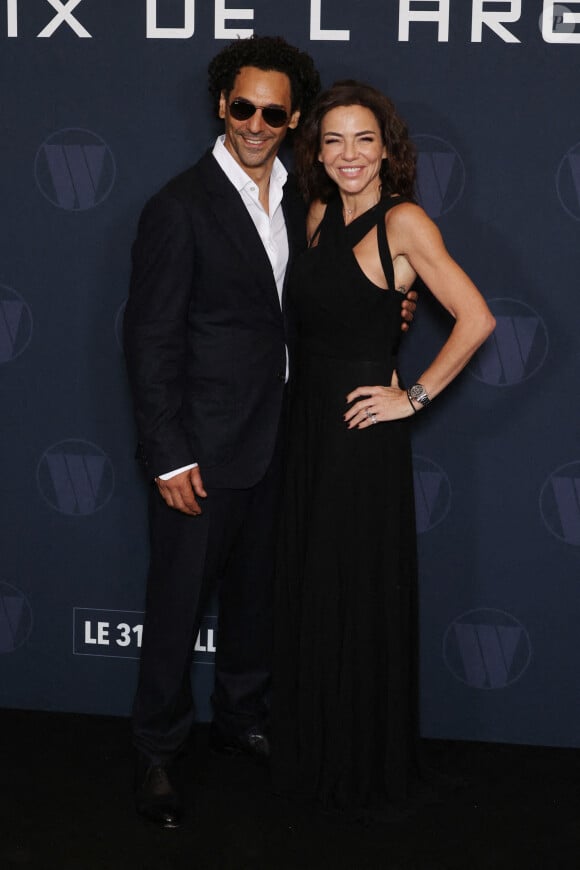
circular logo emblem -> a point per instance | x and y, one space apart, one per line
560 503
119 324
516 349
440 175
75 478
432 493
15 618
15 324
487 649
568 182
75 169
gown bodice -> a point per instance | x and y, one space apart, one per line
339 311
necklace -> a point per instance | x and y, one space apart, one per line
348 212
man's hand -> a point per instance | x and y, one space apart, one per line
182 491
408 307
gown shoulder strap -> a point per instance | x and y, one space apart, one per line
384 250
375 216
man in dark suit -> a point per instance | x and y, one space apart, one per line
206 354
205 341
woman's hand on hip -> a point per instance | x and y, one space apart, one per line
377 404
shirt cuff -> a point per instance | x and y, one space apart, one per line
177 471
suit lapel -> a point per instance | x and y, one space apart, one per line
227 205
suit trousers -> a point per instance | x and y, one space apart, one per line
229 548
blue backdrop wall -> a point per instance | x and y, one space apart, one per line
101 103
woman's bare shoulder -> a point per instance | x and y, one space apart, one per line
406 215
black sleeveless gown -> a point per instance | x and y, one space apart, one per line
344 723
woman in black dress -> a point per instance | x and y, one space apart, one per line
344 722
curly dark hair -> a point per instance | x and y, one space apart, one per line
397 172
265 53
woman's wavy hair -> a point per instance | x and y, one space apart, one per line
398 171
268 53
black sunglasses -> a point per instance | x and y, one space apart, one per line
241 110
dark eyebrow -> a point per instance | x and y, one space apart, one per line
358 133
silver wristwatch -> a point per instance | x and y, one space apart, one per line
419 394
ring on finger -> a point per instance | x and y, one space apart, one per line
368 412
373 418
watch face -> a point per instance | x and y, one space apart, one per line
416 391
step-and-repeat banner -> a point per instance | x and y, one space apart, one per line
101 103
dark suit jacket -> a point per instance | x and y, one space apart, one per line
204 333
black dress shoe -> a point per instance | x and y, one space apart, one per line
253 742
156 799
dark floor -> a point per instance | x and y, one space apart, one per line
66 802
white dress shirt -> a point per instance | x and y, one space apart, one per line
270 225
